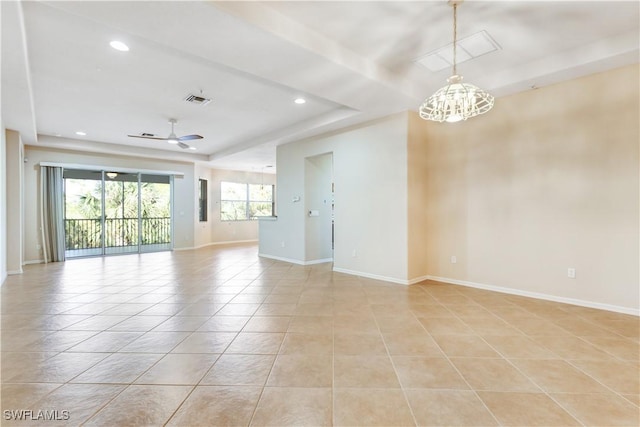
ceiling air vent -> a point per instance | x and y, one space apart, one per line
198 100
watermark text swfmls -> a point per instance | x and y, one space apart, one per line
35 415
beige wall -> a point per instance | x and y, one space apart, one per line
3 203
546 181
417 203
14 200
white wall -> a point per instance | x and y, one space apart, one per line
546 181
370 175
14 199
3 203
184 213
317 197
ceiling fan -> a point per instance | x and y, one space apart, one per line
172 138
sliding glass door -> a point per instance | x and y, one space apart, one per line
116 213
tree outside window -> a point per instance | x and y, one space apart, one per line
242 201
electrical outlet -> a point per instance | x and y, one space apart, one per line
354 253
454 259
282 244
571 273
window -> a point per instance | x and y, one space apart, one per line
240 201
202 200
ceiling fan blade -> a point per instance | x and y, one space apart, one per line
190 137
148 137
182 145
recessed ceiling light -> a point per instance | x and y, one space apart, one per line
117 45
192 148
81 133
300 101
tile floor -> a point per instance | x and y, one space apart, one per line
220 337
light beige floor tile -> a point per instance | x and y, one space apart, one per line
364 372
58 369
570 347
200 309
359 344
141 405
97 323
224 324
179 369
526 409
15 363
139 323
182 324
536 326
22 396
248 299
155 342
519 347
633 398
446 326
118 368
81 400
256 343
493 374
465 346
217 406
605 409
414 344
311 324
106 342
558 376
205 342
163 309
355 324
619 347
240 369
338 330
60 340
449 408
280 407
371 407
238 310
295 343
301 370
621 377
267 324
428 372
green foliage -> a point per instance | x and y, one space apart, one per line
83 205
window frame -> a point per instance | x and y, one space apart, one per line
247 202
203 205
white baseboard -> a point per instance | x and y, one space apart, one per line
229 242
547 297
418 280
296 261
372 276
14 272
33 261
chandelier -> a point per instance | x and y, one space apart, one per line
456 101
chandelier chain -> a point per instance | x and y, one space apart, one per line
455 37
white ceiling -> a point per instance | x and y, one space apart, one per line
352 61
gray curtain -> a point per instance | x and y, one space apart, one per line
52 203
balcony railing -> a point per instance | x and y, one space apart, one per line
118 232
